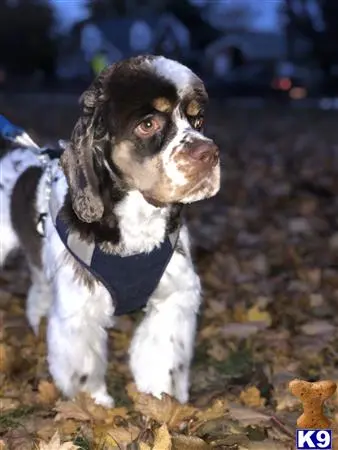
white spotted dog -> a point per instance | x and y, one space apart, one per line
113 240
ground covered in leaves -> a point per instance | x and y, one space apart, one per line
267 251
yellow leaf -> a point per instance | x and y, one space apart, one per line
48 393
251 396
141 445
167 410
112 436
217 410
68 427
162 439
254 314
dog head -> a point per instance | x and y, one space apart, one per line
141 122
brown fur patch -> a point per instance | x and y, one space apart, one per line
193 108
80 273
162 104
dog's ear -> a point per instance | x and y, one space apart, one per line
77 160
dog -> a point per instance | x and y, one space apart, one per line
136 156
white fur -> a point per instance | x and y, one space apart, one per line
175 72
142 224
8 177
162 347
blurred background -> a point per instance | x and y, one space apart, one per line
240 47
266 246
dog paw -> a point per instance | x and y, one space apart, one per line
104 399
34 322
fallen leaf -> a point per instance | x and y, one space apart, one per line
183 442
248 416
144 446
317 327
256 315
251 396
111 436
84 408
167 410
55 444
218 409
19 439
71 410
218 351
8 404
268 444
47 394
6 358
241 330
162 439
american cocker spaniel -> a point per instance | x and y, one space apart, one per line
103 232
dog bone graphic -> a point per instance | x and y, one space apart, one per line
313 396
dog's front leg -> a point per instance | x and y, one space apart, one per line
162 348
76 334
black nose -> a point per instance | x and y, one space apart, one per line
204 152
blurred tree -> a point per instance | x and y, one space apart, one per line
317 22
202 33
235 16
27 37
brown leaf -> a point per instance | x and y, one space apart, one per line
46 431
218 409
108 435
19 439
218 351
71 410
248 416
251 396
269 444
48 393
55 444
182 442
84 408
162 439
8 404
6 358
167 410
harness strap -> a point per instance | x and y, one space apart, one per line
83 250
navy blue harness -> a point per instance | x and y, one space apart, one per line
130 280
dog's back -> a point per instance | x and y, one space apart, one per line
20 172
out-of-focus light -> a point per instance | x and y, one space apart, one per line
297 93
283 84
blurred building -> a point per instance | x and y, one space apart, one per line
120 38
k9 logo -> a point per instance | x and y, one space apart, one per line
314 439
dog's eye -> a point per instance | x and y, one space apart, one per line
147 127
198 123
